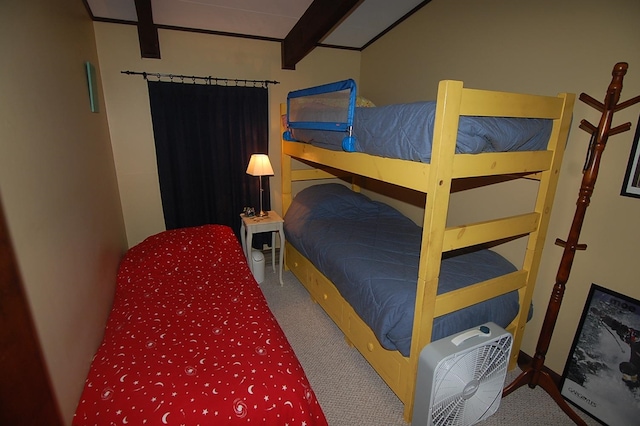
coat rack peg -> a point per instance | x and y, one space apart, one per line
627 103
563 243
619 129
591 102
588 127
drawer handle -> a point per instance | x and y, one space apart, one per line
295 264
370 346
325 296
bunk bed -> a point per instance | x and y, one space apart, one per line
336 148
190 340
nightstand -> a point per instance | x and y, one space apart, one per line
255 225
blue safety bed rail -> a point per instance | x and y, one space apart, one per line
326 107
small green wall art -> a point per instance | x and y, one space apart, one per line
93 86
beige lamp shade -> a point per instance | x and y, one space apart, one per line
259 165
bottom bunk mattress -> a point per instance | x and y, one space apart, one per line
191 341
371 253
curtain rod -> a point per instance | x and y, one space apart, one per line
208 80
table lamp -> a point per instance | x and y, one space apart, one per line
259 165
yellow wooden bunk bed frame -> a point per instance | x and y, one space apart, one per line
435 179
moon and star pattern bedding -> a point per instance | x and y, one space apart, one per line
191 341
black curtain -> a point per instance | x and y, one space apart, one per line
204 137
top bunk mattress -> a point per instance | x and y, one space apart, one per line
402 131
371 253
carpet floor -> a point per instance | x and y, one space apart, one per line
350 391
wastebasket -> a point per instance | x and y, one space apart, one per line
257 264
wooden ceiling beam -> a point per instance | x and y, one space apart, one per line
318 21
147 30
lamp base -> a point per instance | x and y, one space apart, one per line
262 214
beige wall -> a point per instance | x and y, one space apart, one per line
541 47
127 101
59 187
58 183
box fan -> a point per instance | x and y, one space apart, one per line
461 377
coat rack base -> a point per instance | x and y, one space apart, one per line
538 377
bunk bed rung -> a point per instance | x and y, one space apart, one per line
482 232
500 163
409 174
313 174
465 297
477 102
387 169
533 176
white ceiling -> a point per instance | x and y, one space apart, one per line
260 18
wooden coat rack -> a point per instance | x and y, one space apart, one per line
533 373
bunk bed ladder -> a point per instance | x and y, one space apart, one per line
435 217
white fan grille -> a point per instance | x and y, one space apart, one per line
468 386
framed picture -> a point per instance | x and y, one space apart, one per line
601 373
631 184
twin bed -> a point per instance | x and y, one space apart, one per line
191 341
393 286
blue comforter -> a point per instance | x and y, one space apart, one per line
405 131
370 251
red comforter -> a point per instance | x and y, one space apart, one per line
191 341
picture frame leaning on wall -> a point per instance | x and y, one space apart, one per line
601 372
631 182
